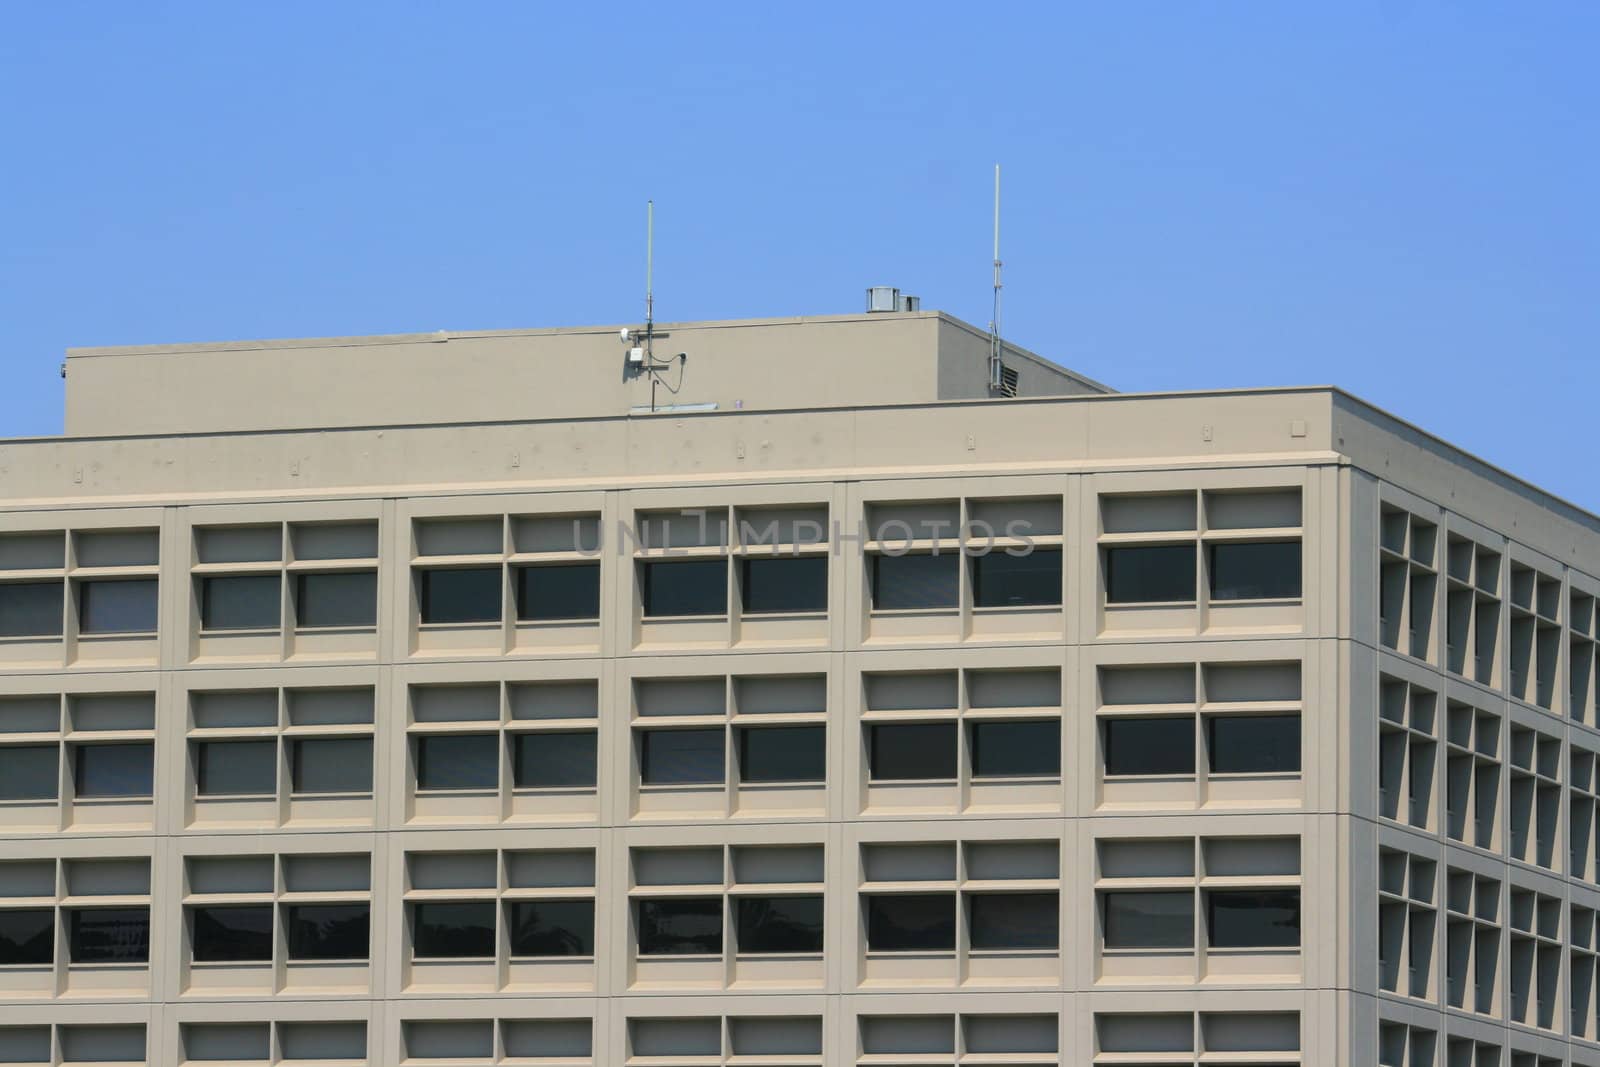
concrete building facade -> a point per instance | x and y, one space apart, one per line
434 700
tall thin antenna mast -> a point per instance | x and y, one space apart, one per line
649 277
996 378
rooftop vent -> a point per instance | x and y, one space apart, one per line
881 298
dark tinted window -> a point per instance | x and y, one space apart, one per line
680 757
1149 920
114 770
117 607
1254 744
1253 918
783 754
30 609
552 928
235 768
441 930
27 936
680 927
109 935
912 750
555 759
564 591
1150 745
1144 574
341 599
1004 581
240 602
1267 570
690 587
1014 920
231 934
779 924
458 761
328 931
29 772
459 595
1030 749
331 765
911 922
785 583
919 580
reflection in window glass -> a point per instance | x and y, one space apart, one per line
114 770
783 754
29 772
1025 749
911 922
912 751
459 595
1000 580
458 761
1266 570
27 936
30 609
779 924
685 588
680 757
233 933
331 764
1254 744
109 935
552 928
1158 919
236 768
1014 921
453 930
1253 918
915 581
784 584
1149 745
240 602
1150 574
679 926
339 599
555 759
558 591
117 607
328 931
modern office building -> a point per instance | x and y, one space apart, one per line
807 699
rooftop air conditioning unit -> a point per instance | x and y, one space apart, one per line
883 298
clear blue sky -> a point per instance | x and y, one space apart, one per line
1399 198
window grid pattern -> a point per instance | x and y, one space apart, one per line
1407 924
97 914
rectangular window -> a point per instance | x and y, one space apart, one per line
773 925
453 930
30 609
680 926
555 760
236 768
784 584
1150 574
328 931
103 771
27 937
459 595
920 581
231 934
331 764
1254 744
1014 921
1001 580
558 591
684 588
911 922
542 928
912 751
241 602
1263 570
1156 919
1153 745
29 772
783 754
127 607
1253 918
341 599
109 935
1026 749
458 761
681 757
